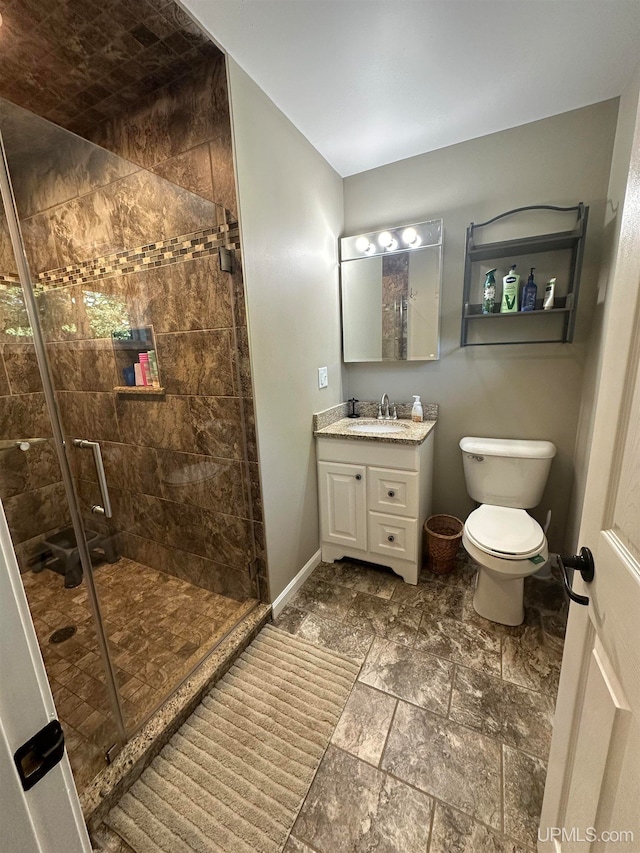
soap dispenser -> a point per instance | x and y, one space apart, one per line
529 294
417 415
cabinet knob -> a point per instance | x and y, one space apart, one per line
358 476
391 493
391 538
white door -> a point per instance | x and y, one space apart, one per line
592 795
46 818
343 504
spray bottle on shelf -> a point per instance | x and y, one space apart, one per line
510 285
489 294
529 294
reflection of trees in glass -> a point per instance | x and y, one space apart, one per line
107 314
13 314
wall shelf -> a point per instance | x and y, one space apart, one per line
571 246
137 390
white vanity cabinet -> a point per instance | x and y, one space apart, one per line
374 499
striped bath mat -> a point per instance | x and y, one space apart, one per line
234 776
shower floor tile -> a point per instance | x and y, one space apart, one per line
158 627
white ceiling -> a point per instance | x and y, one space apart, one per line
369 82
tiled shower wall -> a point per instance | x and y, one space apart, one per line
111 243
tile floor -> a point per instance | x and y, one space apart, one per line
443 743
159 628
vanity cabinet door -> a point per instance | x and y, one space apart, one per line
343 504
393 491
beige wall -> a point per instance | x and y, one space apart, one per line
509 391
290 203
615 198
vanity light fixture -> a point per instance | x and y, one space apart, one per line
399 238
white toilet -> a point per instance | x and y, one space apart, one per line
506 477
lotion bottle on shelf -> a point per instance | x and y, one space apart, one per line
529 294
510 287
549 292
417 415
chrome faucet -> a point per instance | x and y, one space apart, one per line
383 408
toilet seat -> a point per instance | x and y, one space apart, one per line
505 532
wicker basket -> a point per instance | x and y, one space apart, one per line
443 534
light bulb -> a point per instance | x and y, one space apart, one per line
385 239
365 246
411 237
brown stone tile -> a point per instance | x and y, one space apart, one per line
452 763
89 415
14 473
44 468
384 618
224 186
460 642
22 368
151 209
524 779
30 513
40 245
63 314
203 481
83 365
24 416
217 426
435 599
187 296
191 170
196 363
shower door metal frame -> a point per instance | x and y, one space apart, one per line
24 274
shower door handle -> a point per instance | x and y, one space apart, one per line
85 444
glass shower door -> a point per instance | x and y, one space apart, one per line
37 492
126 277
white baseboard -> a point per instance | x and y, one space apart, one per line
293 586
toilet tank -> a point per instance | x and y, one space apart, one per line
506 472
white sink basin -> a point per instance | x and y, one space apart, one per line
377 428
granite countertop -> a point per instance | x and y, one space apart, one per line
411 433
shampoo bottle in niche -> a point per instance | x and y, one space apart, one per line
529 294
489 293
510 286
417 414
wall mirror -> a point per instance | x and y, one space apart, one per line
391 282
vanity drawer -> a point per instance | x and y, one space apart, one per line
393 536
393 491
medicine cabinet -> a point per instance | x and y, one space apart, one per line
557 254
390 285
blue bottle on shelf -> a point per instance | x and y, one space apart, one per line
529 294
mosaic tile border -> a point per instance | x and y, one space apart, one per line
161 253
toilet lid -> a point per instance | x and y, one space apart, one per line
505 532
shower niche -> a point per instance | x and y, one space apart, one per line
136 360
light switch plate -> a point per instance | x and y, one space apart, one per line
323 377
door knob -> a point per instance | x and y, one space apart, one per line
583 563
